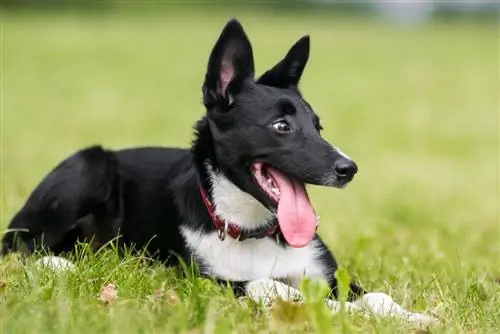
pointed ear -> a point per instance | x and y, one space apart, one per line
230 63
289 70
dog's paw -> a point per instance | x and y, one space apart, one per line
267 290
422 319
379 303
55 263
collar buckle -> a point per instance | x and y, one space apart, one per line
223 231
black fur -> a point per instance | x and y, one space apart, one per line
142 196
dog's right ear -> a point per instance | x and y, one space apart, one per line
230 63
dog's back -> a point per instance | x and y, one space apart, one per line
96 195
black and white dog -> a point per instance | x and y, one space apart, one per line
235 204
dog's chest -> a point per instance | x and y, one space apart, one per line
252 259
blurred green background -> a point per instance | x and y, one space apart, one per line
412 98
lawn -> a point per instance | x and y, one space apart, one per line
417 108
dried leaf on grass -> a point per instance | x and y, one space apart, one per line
108 293
172 297
169 295
288 312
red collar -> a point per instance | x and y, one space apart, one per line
231 229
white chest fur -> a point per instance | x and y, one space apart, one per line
234 205
253 259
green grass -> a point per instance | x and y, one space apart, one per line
416 108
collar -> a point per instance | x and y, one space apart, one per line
232 229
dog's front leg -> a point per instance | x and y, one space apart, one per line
381 304
268 290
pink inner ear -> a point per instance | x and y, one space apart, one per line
226 75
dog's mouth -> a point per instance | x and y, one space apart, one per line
295 213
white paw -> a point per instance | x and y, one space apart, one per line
55 263
379 303
422 319
268 290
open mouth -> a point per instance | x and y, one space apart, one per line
266 182
295 213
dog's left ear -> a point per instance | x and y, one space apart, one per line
230 63
289 70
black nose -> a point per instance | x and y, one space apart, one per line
345 168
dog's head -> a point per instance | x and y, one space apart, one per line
267 138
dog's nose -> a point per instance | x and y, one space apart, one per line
345 168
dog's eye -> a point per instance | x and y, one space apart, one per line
281 126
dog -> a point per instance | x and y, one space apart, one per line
234 205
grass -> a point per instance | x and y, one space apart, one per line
416 107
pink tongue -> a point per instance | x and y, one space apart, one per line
296 215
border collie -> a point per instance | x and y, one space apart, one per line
234 205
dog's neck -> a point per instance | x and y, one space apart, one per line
231 203
234 205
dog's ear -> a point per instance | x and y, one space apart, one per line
230 63
289 70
